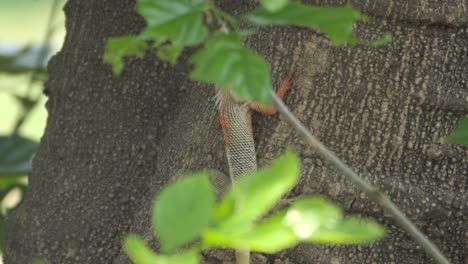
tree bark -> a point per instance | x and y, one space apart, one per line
111 143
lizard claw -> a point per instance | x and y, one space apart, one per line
287 84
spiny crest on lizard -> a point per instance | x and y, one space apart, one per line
223 97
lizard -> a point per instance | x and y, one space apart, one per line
235 118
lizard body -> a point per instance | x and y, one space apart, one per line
235 118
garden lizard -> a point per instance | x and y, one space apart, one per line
235 118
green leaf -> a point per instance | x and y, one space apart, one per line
8 181
169 53
178 21
227 63
15 155
268 237
336 22
139 253
306 215
348 231
183 210
253 195
319 221
9 184
274 5
137 250
118 48
460 134
310 219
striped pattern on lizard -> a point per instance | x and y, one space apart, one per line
235 117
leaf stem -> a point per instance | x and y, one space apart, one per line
376 195
228 17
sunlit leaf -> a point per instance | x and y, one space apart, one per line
225 62
268 237
183 210
284 229
308 220
306 215
17 185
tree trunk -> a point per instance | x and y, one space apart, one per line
112 143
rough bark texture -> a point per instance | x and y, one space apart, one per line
112 143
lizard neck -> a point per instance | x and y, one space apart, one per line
224 98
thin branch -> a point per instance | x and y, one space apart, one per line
376 195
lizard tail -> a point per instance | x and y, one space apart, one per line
242 256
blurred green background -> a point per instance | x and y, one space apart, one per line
24 22
30 32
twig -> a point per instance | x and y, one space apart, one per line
376 195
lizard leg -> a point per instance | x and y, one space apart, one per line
285 86
242 256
